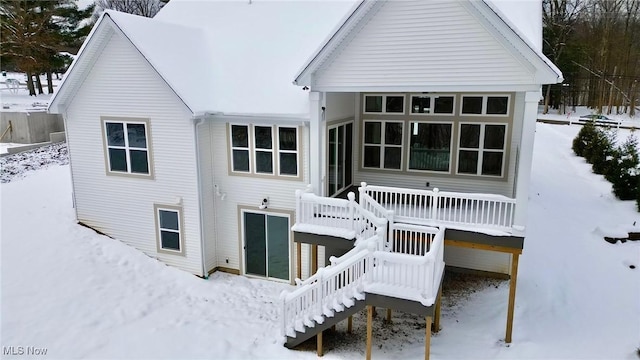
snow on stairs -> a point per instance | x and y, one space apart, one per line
312 327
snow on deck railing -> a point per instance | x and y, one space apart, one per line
434 207
408 276
364 269
330 216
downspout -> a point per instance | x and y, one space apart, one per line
198 120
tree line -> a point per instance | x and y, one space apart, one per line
36 34
596 44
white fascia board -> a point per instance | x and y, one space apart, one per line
431 88
545 71
260 119
329 45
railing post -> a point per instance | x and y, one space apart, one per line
298 207
352 208
361 190
435 200
283 297
320 281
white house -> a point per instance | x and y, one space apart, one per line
190 133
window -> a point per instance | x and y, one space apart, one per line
382 144
127 147
288 151
264 150
432 104
481 149
169 229
430 147
240 147
384 104
485 105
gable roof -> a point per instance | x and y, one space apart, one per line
257 47
163 45
488 15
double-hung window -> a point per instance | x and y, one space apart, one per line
264 150
430 146
481 150
127 146
169 229
383 144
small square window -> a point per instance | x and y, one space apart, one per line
492 163
472 104
372 132
373 104
420 104
395 104
239 136
393 133
497 105
469 136
443 105
494 137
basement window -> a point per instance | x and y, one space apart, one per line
169 229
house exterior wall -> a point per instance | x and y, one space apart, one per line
123 84
466 258
446 182
422 44
246 192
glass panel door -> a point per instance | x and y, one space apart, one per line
266 244
278 247
340 160
255 243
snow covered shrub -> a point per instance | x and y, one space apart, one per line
584 137
600 149
624 172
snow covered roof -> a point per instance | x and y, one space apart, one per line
164 45
240 56
519 23
257 47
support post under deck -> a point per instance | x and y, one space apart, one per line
512 296
427 339
369 330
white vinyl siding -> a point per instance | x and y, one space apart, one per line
422 43
483 260
248 192
122 84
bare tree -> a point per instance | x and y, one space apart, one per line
147 8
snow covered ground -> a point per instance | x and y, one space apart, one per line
20 100
82 295
574 116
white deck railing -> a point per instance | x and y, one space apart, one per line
442 208
365 269
337 217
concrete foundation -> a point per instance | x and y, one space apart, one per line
30 127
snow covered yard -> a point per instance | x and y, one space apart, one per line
82 295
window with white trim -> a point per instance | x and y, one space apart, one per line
384 104
264 150
288 151
485 105
169 229
430 146
126 144
263 156
382 144
424 104
481 149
